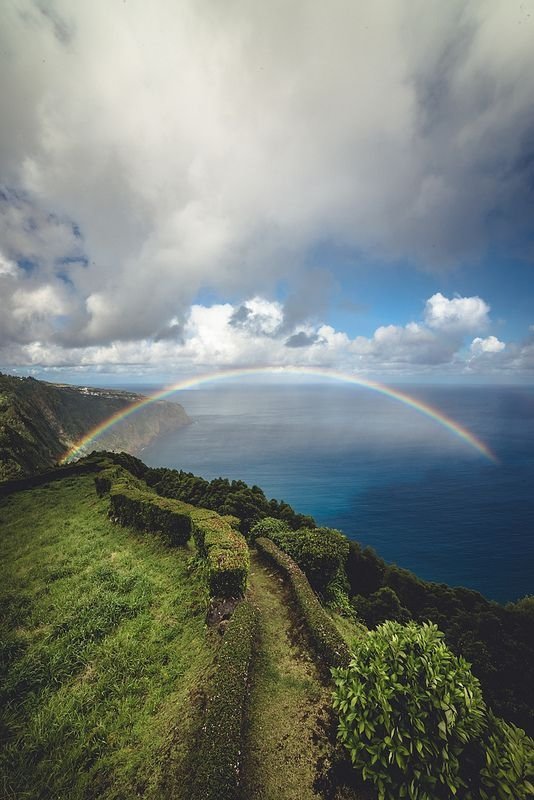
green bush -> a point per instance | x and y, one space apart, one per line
102 484
226 553
141 509
218 756
365 570
269 527
225 550
508 772
125 460
407 707
247 503
320 552
328 643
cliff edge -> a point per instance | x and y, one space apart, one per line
40 421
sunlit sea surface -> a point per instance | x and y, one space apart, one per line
383 473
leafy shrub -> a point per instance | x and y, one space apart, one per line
328 643
102 484
497 641
365 570
111 474
218 756
148 512
140 508
225 551
269 527
320 552
407 707
509 762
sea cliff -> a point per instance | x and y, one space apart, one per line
40 421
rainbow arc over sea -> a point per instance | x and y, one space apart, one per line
80 447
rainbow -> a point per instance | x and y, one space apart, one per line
429 411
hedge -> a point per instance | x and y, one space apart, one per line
225 551
217 764
328 643
321 553
131 504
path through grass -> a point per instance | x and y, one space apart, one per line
288 727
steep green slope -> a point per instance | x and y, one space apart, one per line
105 654
40 421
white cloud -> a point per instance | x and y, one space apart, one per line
459 315
8 267
255 333
489 345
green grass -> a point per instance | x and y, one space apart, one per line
104 652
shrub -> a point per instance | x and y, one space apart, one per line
248 503
102 484
111 474
509 762
218 756
320 552
141 509
225 551
407 707
328 643
269 527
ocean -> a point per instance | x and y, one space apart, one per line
385 474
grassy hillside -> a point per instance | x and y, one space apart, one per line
105 651
39 421
113 685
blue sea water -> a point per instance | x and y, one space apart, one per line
380 471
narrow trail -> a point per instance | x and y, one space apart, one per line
288 720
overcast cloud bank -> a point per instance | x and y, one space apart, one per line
149 152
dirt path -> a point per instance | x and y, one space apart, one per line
287 731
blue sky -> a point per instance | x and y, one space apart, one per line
190 187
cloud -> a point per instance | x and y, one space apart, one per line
489 345
301 339
253 333
413 344
152 151
459 315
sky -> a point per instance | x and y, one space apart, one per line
202 185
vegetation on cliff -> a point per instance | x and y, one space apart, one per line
40 421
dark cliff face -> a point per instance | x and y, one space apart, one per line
40 421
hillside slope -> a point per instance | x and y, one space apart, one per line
104 653
39 422
113 685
